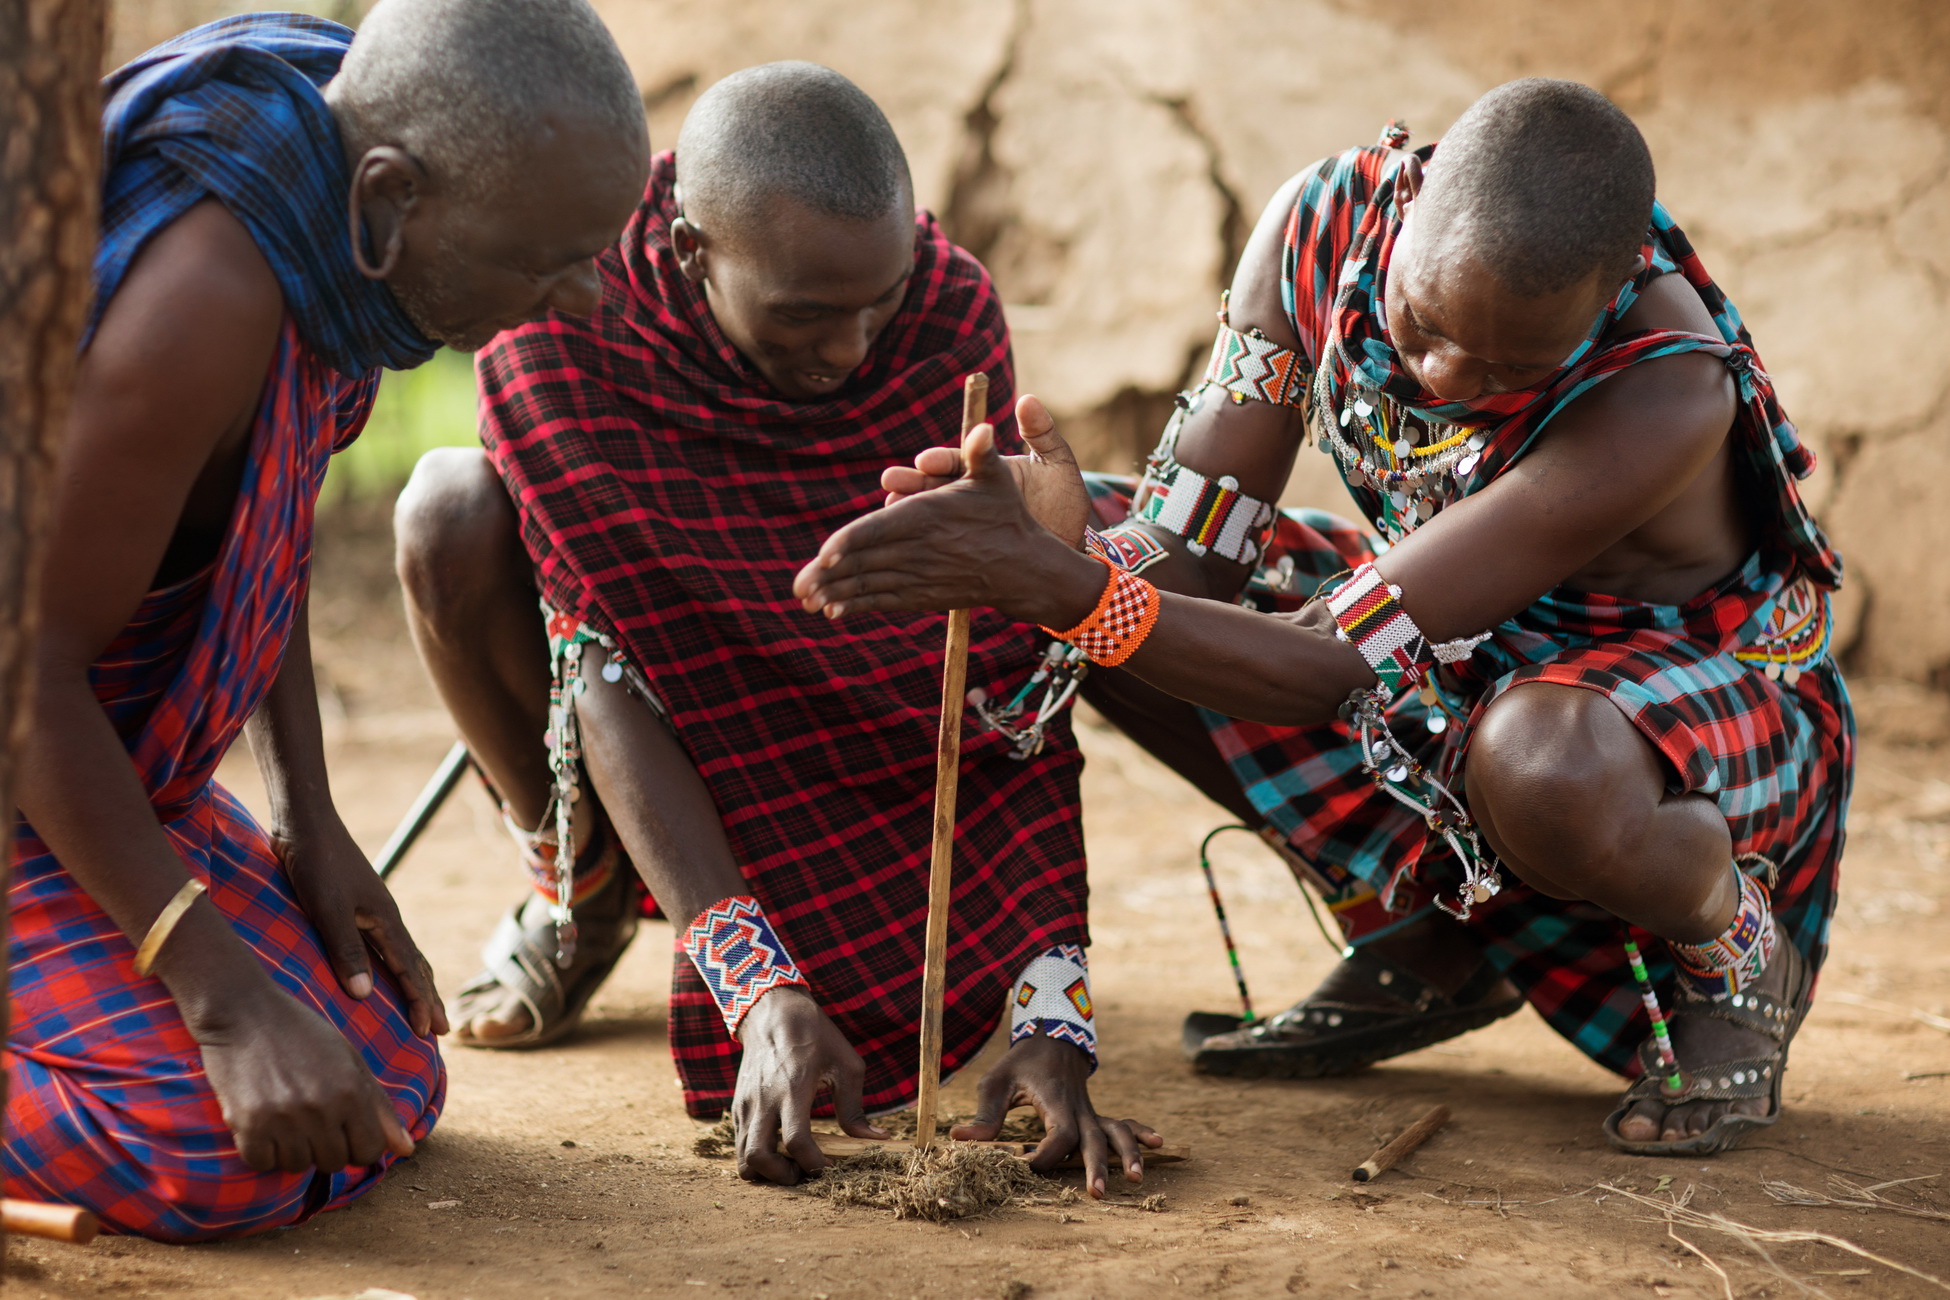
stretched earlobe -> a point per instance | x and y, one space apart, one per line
390 246
384 189
687 241
1408 182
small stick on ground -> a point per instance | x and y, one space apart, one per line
947 776
1392 1154
68 1223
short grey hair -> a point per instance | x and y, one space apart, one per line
1548 181
789 130
462 84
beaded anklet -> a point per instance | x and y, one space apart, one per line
1053 995
1123 618
598 855
740 957
1733 960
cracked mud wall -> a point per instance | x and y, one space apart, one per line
1105 157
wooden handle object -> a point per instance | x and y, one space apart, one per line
947 776
834 1146
68 1223
1414 1136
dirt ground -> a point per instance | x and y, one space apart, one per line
569 1173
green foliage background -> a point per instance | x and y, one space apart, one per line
418 410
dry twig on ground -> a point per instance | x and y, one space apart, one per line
1853 1196
1679 1211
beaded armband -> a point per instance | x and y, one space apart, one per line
1250 365
1128 546
1124 616
1211 515
739 956
1368 614
1053 995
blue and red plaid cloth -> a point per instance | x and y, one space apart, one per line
668 499
1776 752
109 1107
232 111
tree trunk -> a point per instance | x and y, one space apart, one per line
50 184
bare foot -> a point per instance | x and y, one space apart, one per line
1700 1043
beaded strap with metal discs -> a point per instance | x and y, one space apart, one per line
1417 468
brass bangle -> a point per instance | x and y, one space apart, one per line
165 923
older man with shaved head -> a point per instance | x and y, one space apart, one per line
202 1044
777 321
1558 723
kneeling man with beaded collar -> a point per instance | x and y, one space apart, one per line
1564 694
778 322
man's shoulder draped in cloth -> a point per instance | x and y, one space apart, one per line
668 498
1338 244
109 1095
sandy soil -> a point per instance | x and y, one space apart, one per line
568 1172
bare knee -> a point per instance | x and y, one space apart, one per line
456 538
1562 780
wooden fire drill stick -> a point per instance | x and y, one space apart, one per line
947 775
1416 1134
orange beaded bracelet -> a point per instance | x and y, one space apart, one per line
1124 616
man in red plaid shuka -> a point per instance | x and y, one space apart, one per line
777 323
1565 693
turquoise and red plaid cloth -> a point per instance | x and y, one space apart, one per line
1774 750
667 499
108 1105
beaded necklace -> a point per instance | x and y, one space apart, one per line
1415 466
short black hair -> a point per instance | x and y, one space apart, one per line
789 130
1548 181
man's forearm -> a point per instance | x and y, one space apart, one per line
1285 670
287 740
83 798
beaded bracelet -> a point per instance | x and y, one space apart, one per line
1052 995
1368 613
1124 616
739 955
1128 545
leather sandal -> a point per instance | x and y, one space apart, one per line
520 958
1739 1079
1320 1036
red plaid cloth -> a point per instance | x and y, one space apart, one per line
668 499
109 1107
